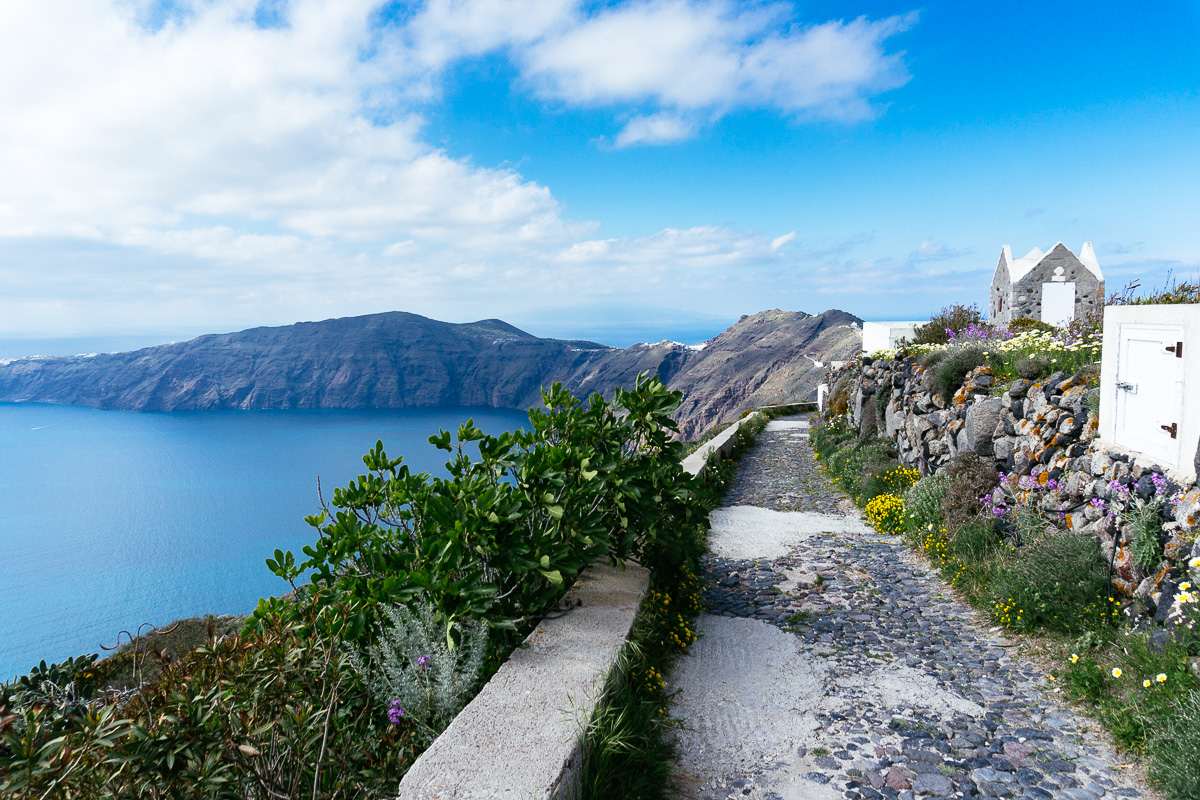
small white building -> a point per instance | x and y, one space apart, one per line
1150 384
1055 287
885 335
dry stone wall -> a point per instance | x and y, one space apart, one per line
1039 430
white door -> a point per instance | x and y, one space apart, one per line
1150 390
1058 303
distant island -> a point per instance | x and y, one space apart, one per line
401 360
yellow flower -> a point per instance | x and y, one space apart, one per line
1161 678
1074 658
1195 563
1116 672
1146 684
1185 586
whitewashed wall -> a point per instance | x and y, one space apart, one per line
1145 384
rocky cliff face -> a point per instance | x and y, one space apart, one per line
398 360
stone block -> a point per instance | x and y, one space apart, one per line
1187 511
1019 388
980 424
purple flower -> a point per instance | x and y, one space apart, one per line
395 712
1097 502
423 661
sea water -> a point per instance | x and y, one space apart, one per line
111 519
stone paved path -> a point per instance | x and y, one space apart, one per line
832 664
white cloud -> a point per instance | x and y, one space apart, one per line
228 171
713 56
661 128
929 250
780 241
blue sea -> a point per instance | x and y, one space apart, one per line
109 519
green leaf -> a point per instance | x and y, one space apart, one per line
545 562
554 576
555 511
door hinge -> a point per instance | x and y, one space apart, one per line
1176 348
1129 387
1172 429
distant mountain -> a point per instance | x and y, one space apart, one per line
398 360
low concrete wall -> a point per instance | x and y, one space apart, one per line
520 737
722 444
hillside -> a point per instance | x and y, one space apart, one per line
398 360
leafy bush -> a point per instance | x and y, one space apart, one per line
1143 519
274 713
951 318
890 478
976 541
499 539
1022 324
954 368
1173 292
923 502
885 512
1032 367
1059 583
851 466
827 436
969 479
418 672
1175 751
932 358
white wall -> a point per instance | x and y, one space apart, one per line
1173 395
885 335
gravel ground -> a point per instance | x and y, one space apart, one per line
832 664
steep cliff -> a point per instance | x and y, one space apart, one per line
398 360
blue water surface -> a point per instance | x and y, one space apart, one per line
109 519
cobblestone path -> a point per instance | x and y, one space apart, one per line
832 664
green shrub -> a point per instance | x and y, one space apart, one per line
874 480
923 502
956 318
1059 583
1021 324
933 358
1175 751
1144 523
975 541
969 477
889 477
953 369
850 466
418 668
828 436
1032 367
1173 292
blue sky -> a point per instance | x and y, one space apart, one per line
614 170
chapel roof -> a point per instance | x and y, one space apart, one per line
1018 268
